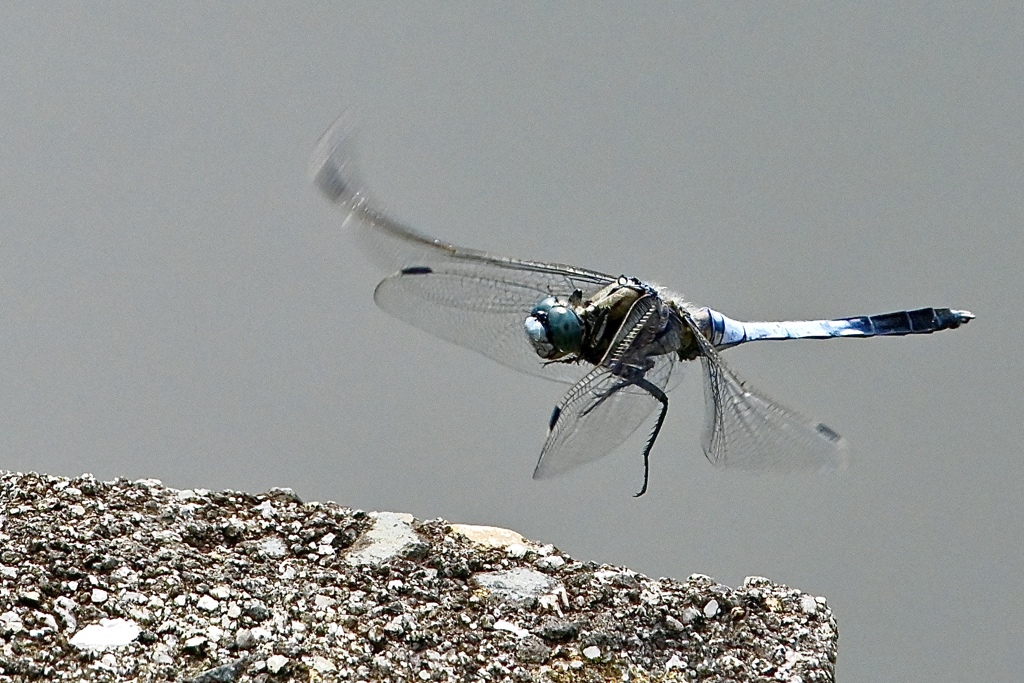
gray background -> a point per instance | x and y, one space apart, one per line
179 303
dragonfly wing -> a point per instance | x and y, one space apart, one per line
468 297
333 169
596 415
477 309
746 430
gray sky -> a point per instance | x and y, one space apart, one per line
179 303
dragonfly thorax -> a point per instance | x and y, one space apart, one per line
554 329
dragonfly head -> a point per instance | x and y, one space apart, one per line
554 329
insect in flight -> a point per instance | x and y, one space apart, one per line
623 335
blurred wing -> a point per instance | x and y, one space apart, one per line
745 430
464 296
597 414
394 245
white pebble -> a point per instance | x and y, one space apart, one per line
516 550
260 633
195 642
207 603
10 623
323 665
504 625
108 633
275 663
273 547
674 663
551 562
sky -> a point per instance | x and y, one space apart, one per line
180 303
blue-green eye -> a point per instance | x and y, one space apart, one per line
543 306
565 329
554 329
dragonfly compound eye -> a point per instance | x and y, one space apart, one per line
554 329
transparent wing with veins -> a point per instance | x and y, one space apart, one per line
596 416
746 430
468 297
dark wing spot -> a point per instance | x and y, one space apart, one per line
828 432
554 417
417 270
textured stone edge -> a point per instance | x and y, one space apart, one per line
122 579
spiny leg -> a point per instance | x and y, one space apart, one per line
651 389
662 398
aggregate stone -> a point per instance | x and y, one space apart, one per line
226 586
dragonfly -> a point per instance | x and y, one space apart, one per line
615 339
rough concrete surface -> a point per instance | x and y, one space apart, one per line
130 580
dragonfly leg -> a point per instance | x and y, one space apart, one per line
657 394
662 398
